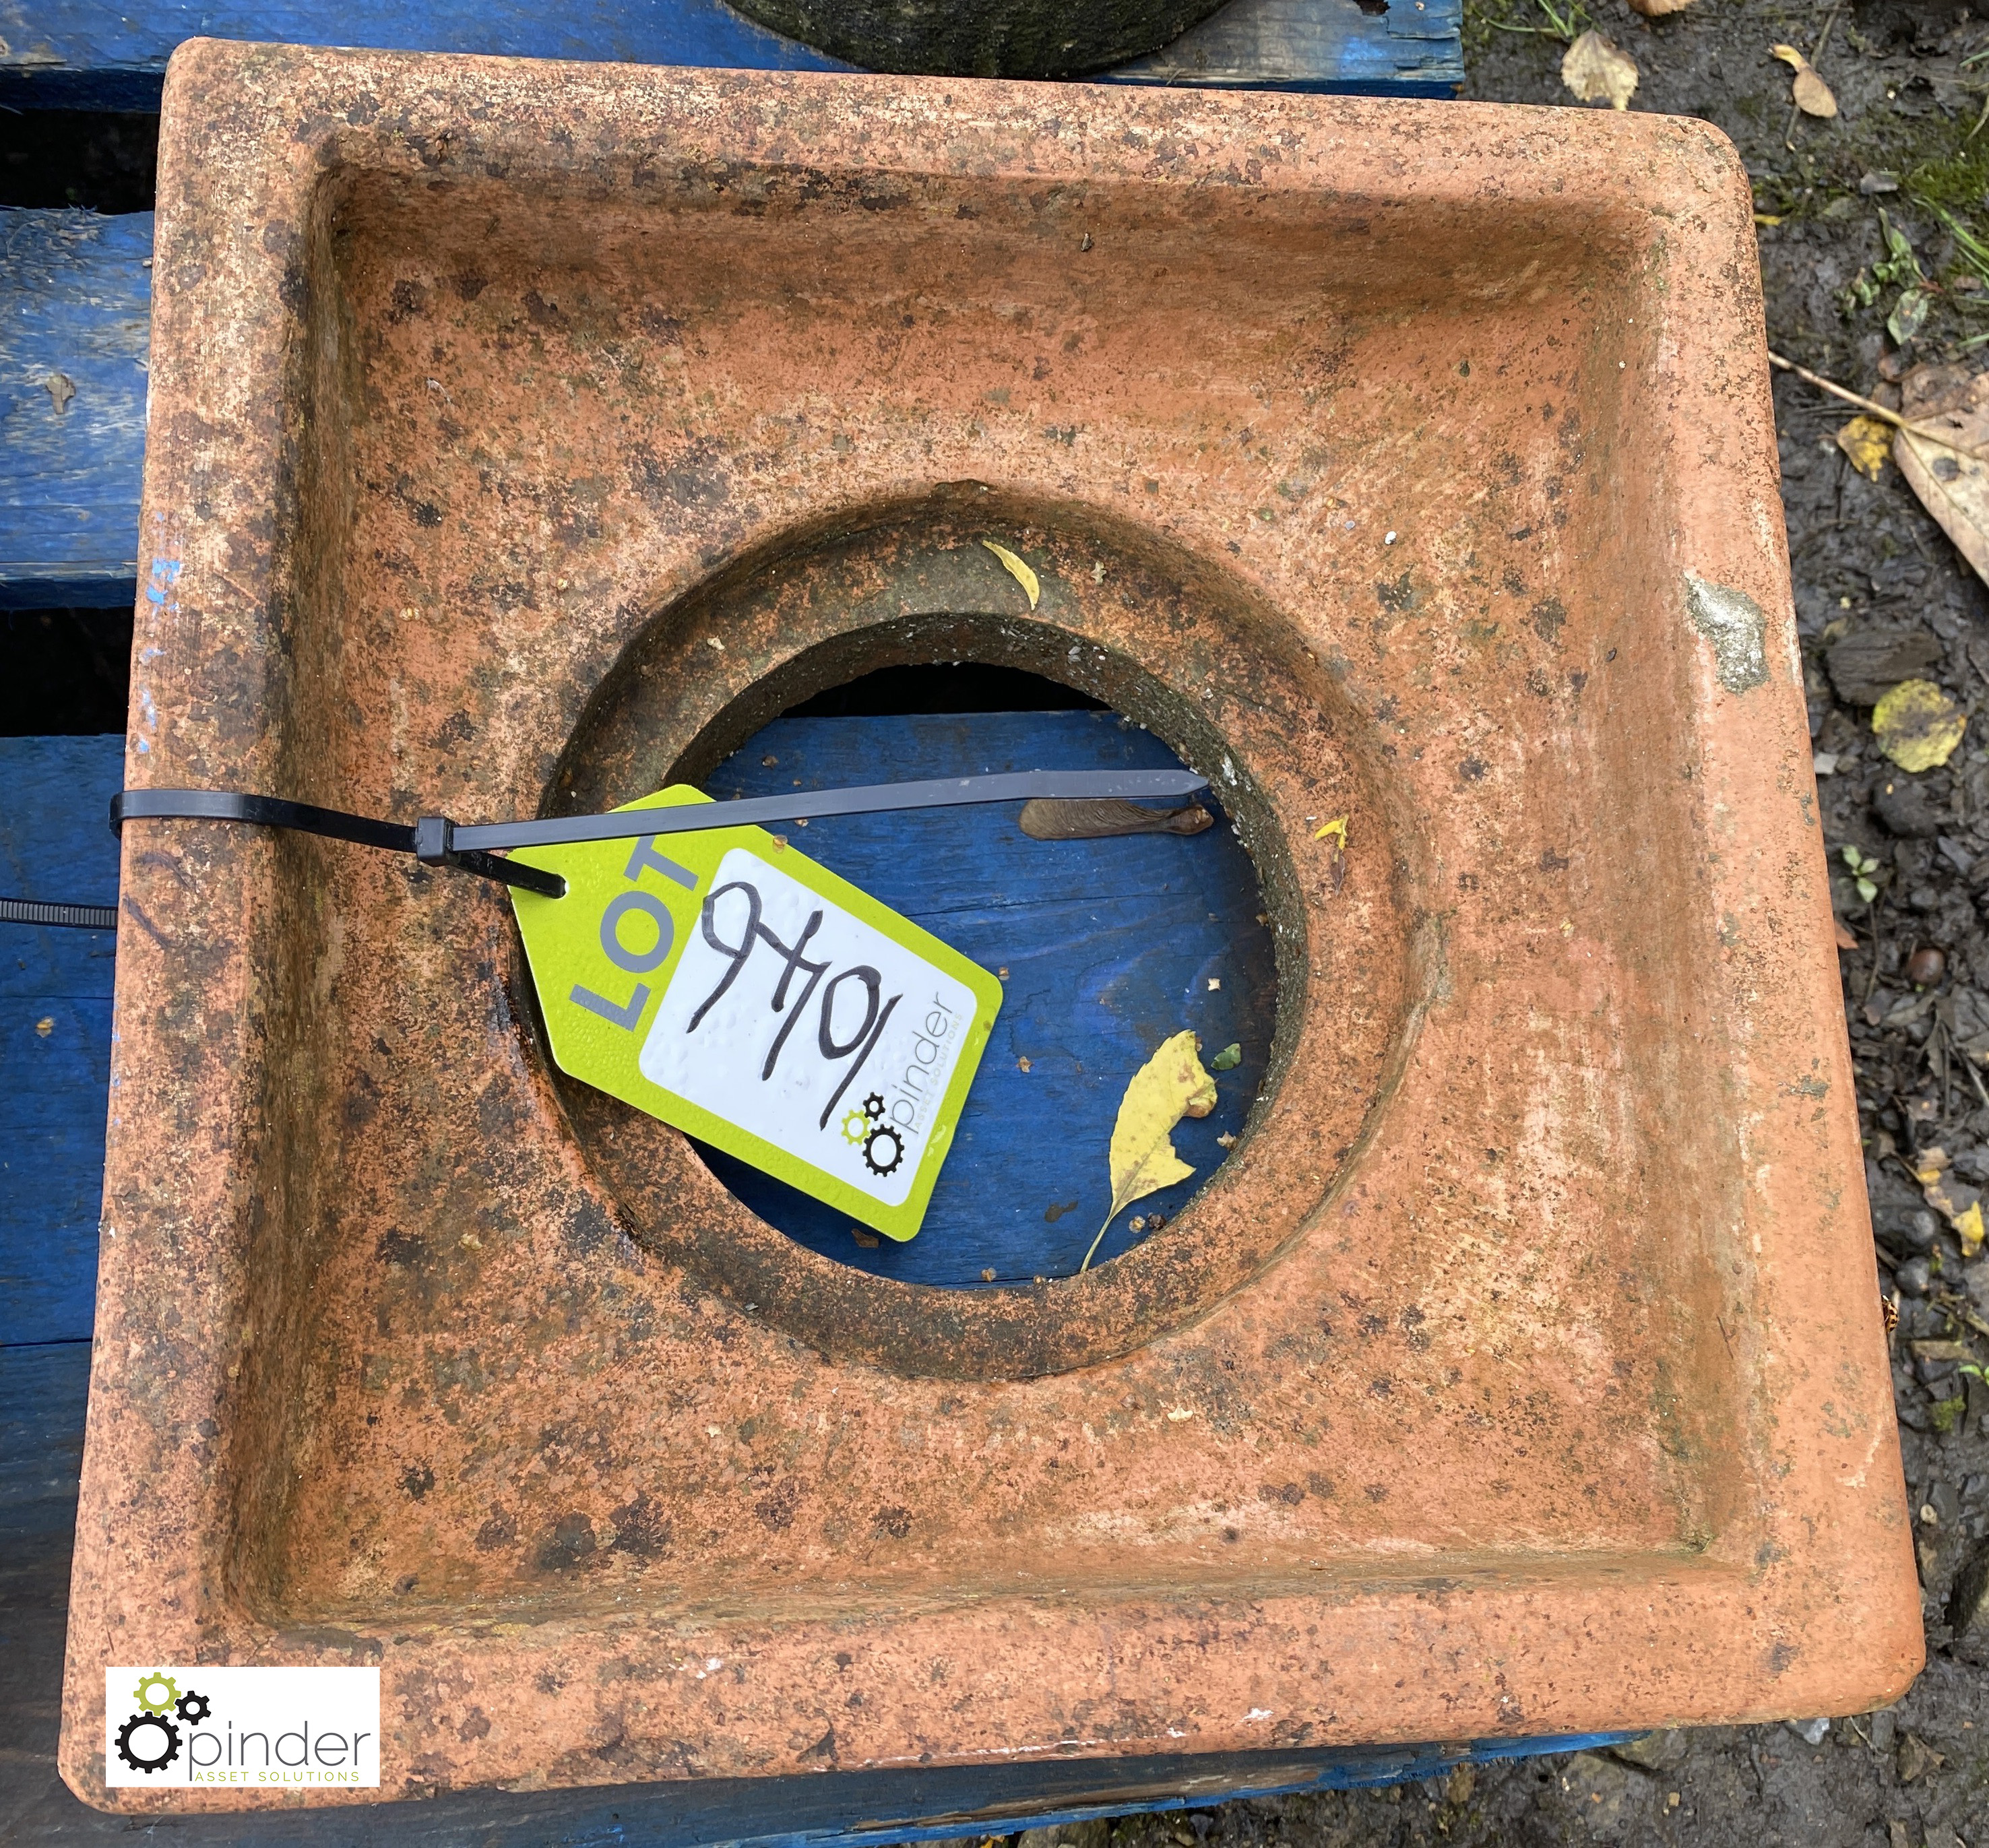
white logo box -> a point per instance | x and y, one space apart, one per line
171 1724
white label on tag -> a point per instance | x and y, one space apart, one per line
806 1026
257 1728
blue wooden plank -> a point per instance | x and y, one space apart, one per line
55 1032
1111 946
75 317
99 54
1411 48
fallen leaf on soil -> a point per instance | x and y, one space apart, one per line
1917 725
1909 315
1229 1058
1812 95
1949 476
1915 1758
1170 1085
1659 9
1597 71
1337 827
1867 442
1017 570
1845 939
1968 1228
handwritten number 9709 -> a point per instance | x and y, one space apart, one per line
876 1011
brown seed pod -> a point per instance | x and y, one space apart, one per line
1926 966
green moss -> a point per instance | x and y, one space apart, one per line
1946 1413
1957 178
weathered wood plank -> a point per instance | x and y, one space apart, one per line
1410 48
97 54
55 1032
75 318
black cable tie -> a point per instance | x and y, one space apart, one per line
435 840
67 917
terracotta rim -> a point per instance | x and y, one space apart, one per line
910 585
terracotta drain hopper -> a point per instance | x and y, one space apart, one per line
1521 1372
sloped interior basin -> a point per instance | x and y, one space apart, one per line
523 435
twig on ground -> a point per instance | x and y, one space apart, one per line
1872 408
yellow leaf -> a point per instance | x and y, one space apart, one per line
1597 71
1017 570
1917 725
1968 1227
1811 94
1337 827
1170 1085
1867 442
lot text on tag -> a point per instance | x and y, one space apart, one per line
732 987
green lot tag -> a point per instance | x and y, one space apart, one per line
731 987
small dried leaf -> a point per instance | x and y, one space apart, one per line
1017 570
1170 1085
1909 315
60 388
1968 1228
1597 71
1950 478
1867 442
1659 9
1917 725
1811 94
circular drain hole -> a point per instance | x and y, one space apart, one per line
1176 644
1106 947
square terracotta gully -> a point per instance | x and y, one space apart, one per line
523 436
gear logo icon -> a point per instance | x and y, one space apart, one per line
155 1692
193 1707
873 1107
883 1149
855 1127
148 1742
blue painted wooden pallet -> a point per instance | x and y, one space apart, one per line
76 303
54 1033
101 54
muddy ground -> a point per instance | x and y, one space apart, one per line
1872 570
